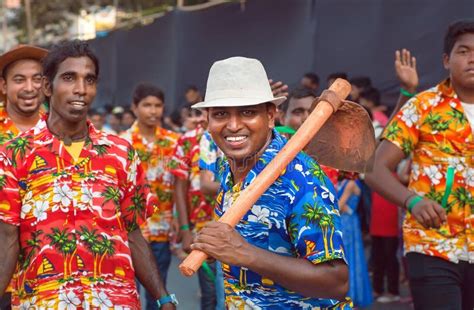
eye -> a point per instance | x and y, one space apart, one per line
248 113
67 77
37 79
218 114
19 80
91 80
462 52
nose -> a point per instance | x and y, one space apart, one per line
471 56
234 123
80 87
29 85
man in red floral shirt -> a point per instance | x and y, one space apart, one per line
20 70
71 202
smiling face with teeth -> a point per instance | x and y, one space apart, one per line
22 86
72 90
242 133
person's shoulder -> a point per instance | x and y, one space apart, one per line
127 134
190 133
428 98
113 141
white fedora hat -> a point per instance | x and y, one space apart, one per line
235 82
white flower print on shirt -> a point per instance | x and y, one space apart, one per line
410 115
433 173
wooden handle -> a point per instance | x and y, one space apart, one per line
272 171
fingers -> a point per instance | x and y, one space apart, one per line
440 212
429 214
434 220
413 62
397 56
278 88
404 58
424 219
201 247
276 85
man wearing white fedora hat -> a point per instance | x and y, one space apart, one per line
287 252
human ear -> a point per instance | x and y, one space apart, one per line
47 87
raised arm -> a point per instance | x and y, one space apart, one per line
405 69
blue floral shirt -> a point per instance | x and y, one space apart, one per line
210 156
297 216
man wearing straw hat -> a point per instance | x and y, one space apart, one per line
286 253
21 94
21 98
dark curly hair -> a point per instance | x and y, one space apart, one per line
455 30
144 90
62 51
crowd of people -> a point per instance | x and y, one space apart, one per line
94 202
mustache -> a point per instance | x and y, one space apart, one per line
29 95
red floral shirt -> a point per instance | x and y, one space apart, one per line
185 165
74 219
8 130
155 158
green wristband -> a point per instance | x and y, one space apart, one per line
184 227
413 202
406 93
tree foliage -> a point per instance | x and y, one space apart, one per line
54 16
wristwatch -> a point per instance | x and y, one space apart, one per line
171 298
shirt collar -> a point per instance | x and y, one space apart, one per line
3 114
446 89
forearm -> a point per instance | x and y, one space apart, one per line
8 254
207 185
210 188
145 266
382 178
181 188
323 280
391 189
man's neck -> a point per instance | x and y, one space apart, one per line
240 169
149 132
22 122
466 95
65 130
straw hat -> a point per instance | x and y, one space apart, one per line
237 81
20 52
